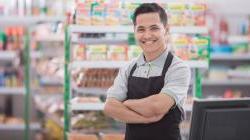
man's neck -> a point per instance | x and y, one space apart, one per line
152 56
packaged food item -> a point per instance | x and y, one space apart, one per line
117 52
197 13
199 48
98 13
83 12
79 136
112 13
127 9
176 13
240 48
180 45
112 136
79 52
96 52
134 51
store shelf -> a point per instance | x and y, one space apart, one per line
87 106
189 29
50 38
36 54
99 41
51 81
12 91
100 107
238 39
28 20
100 29
226 82
130 29
230 57
197 64
119 64
239 74
12 127
91 91
99 64
8 56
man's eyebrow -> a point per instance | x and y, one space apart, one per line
154 25
140 27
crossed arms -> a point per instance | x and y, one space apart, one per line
146 110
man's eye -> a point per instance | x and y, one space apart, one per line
154 28
140 30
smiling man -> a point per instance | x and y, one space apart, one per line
148 94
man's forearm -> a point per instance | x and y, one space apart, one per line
141 106
118 111
154 105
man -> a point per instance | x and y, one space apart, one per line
148 94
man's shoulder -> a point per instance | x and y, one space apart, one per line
128 66
178 63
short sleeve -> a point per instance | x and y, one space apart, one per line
177 82
119 88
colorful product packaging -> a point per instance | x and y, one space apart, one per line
96 52
98 13
117 52
83 13
176 13
112 13
180 46
199 48
197 12
134 51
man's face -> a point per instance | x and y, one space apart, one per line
150 33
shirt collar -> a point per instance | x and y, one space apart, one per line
159 61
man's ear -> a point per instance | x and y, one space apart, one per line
166 29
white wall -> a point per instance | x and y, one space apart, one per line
232 7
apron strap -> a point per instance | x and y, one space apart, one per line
132 70
167 63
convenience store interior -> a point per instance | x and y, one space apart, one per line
59 57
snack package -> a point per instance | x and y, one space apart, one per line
96 52
199 48
98 13
197 14
180 46
176 13
83 12
79 136
127 10
112 13
117 52
134 51
79 52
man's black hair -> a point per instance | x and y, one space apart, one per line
151 8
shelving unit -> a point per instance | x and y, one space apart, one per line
238 39
130 29
230 57
119 64
12 91
70 65
8 57
226 82
20 127
28 20
11 56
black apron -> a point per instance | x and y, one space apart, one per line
165 129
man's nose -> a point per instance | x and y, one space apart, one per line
147 34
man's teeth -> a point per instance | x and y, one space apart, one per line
148 42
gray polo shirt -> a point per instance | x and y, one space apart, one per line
176 84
